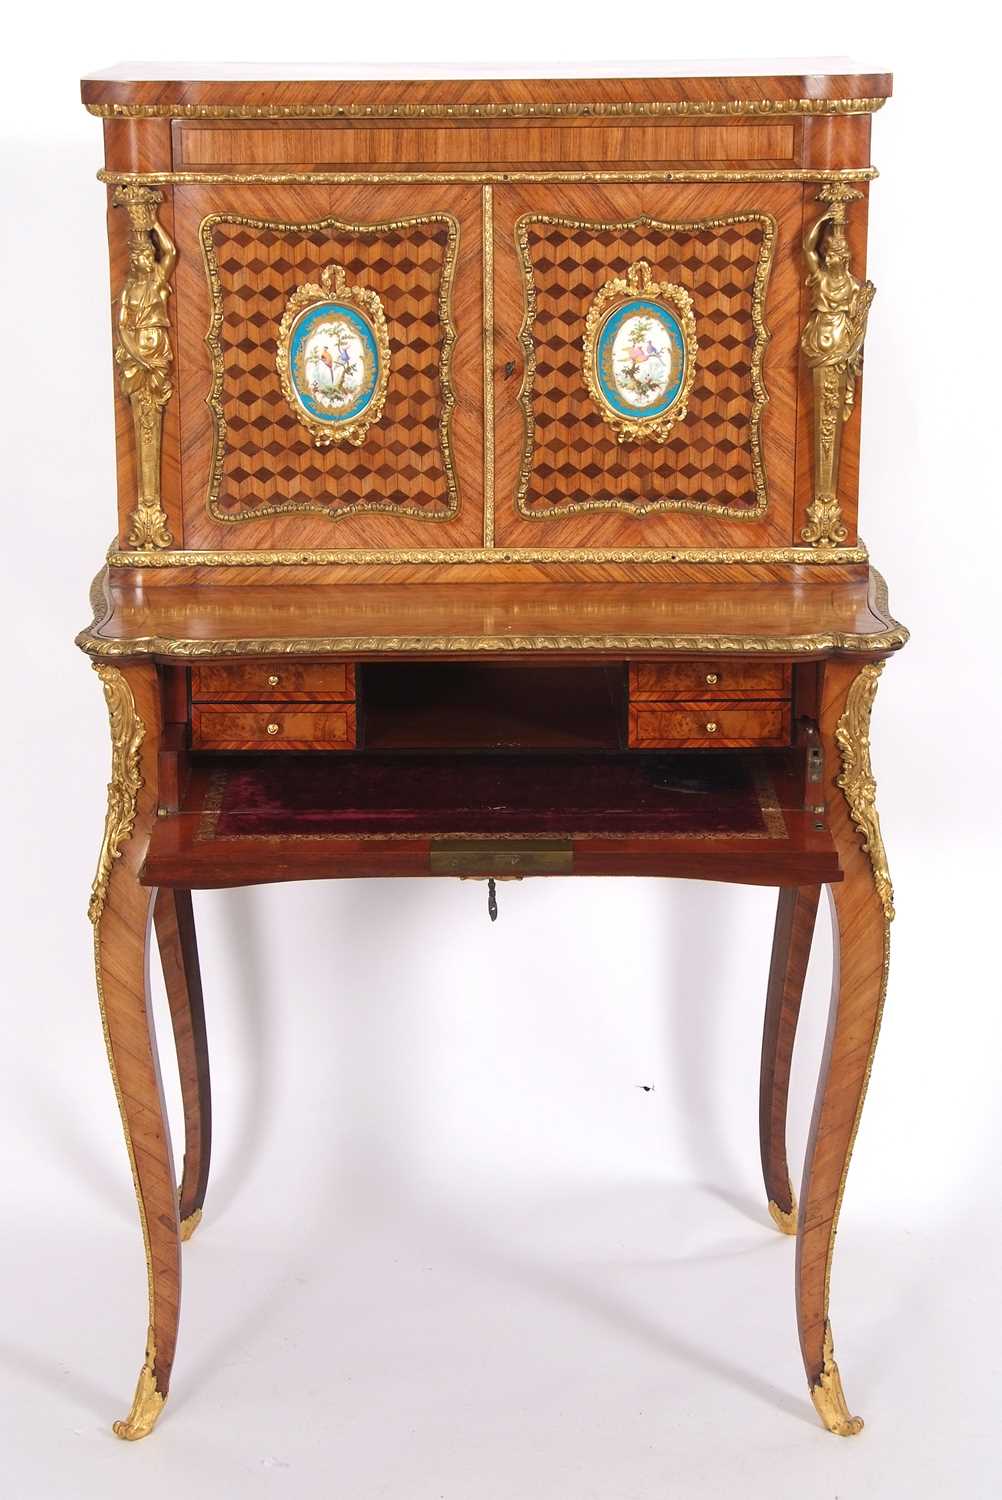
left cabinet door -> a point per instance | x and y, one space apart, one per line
330 366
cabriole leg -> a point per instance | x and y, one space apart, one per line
120 910
791 948
174 922
862 910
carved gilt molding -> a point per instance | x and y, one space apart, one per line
856 779
175 648
336 556
832 342
710 108
390 174
143 353
127 734
487 227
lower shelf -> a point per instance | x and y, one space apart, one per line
254 819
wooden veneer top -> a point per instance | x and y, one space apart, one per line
325 84
201 620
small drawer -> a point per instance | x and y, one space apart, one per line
272 726
273 682
709 679
658 725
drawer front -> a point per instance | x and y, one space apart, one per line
709 679
273 682
272 726
657 725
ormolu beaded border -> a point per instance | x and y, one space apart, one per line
383 557
707 108
683 175
178 649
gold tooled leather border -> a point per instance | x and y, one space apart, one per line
773 824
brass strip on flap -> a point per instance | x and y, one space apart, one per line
491 857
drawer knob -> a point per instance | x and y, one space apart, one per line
712 678
273 728
711 727
274 680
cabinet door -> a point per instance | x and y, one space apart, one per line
646 365
336 400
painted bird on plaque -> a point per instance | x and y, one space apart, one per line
334 357
640 353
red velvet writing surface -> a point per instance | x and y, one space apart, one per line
714 795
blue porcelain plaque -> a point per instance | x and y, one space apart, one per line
333 362
640 359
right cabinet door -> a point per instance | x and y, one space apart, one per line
646 365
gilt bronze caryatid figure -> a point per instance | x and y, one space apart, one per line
143 353
832 342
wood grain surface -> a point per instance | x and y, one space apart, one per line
174 921
653 724
862 949
791 948
199 621
121 937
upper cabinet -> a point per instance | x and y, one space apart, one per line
617 322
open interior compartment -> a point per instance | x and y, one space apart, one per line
492 706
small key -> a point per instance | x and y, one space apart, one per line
492 901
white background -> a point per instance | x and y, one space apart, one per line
451 1249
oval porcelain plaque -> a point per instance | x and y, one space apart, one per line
640 359
333 362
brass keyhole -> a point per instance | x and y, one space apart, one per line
712 678
711 727
273 680
272 728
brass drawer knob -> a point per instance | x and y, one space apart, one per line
274 680
272 728
711 727
712 678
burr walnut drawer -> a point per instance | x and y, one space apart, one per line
273 726
709 679
657 725
273 682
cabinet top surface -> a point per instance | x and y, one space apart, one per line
773 67
204 621
700 83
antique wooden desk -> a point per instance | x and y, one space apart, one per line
487 506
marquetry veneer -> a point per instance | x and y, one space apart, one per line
664 724
272 726
288 682
496 442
